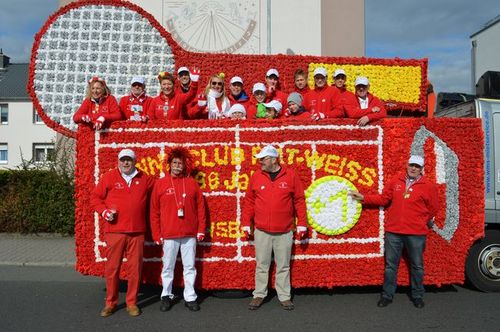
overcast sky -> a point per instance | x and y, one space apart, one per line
435 29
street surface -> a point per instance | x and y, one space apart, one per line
38 298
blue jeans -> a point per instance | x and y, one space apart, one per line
414 245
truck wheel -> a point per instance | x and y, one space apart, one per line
482 267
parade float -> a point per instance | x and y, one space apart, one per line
117 40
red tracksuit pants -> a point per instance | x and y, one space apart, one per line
119 245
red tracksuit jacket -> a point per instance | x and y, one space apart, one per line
108 108
171 107
407 215
130 203
274 205
353 109
322 100
163 211
127 102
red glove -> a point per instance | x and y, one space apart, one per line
246 230
108 215
194 75
98 123
301 232
85 118
200 237
317 116
159 242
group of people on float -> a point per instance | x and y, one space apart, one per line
185 100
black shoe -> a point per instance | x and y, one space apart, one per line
383 302
192 305
166 303
418 302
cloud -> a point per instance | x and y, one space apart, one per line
438 30
21 20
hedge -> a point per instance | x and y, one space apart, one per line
36 201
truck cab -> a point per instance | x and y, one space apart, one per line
483 262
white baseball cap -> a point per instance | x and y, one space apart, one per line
180 70
236 79
361 80
274 104
267 151
126 153
339 72
272 71
418 160
138 79
258 87
320 71
237 108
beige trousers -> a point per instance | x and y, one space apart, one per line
265 245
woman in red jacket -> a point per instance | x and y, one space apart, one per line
134 106
99 107
212 102
178 219
169 103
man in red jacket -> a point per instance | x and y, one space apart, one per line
413 204
363 105
275 197
121 198
177 221
320 100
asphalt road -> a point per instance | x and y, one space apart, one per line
60 299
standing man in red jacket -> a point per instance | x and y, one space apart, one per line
121 198
413 204
274 199
178 220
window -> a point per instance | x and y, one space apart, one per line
36 118
4 114
4 153
43 152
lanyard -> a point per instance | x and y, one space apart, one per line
183 193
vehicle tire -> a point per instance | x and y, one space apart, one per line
482 267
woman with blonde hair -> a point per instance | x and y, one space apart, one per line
213 103
99 107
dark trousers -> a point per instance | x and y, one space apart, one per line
414 245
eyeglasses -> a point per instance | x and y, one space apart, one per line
217 83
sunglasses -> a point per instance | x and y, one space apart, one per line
217 83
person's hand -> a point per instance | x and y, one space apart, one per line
301 232
98 123
363 121
200 237
356 195
144 118
287 112
108 215
158 242
375 109
194 75
246 233
202 103
317 116
85 118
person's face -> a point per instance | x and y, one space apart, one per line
167 87
271 113
413 170
319 81
97 90
126 165
137 89
237 115
300 82
267 163
184 78
361 91
236 88
176 167
340 81
217 84
260 96
293 107
272 81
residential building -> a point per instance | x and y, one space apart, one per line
23 134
